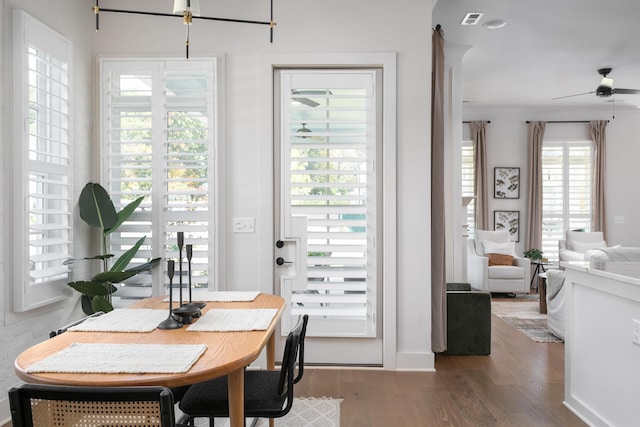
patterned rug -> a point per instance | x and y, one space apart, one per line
306 412
523 313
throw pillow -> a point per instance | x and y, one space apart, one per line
507 248
500 259
582 247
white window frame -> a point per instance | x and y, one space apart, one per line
156 244
569 221
42 150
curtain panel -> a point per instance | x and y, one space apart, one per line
534 224
599 138
480 176
438 293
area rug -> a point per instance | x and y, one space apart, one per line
523 313
306 412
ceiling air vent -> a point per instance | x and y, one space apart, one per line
471 18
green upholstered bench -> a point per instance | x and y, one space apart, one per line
468 320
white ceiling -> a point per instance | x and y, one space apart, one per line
549 48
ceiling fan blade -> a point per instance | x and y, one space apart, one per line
626 91
571 96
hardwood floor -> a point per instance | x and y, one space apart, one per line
520 384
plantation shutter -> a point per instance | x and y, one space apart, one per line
330 158
467 173
42 163
159 136
567 181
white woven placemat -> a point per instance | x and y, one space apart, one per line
122 358
232 320
216 296
123 320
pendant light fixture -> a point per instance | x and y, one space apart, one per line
188 10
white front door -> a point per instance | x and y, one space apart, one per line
328 215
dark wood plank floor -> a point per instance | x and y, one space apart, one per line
520 384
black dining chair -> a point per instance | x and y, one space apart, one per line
267 394
77 322
38 405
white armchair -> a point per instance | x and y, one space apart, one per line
508 273
580 245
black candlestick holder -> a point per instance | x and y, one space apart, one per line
180 245
198 304
171 322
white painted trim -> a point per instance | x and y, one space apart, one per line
5 412
416 362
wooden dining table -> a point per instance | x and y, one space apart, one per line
227 353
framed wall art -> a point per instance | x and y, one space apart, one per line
508 220
506 183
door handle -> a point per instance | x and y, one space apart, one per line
279 244
281 261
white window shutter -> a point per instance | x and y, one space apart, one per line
159 136
42 163
567 182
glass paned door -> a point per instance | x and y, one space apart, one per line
328 220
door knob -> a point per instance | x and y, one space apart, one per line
279 244
281 261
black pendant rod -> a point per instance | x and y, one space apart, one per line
210 18
566 121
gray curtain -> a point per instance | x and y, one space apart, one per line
534 224
438 292
478 135
599 138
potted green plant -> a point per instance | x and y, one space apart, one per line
97 209
534 254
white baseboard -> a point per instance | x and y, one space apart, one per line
424 362
5 413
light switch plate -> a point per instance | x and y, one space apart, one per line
244 225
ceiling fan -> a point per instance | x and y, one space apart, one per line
605 88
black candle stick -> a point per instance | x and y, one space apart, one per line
180 245
199 305
189 256
170 322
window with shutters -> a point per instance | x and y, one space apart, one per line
468 187
158 139
566 191
42 200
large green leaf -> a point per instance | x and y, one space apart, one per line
93 288
70 261
96 207
99 303
126 257
113 276
147 266
125 213
85 303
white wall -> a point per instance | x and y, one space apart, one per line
402 27
70 18
305 26
507 143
